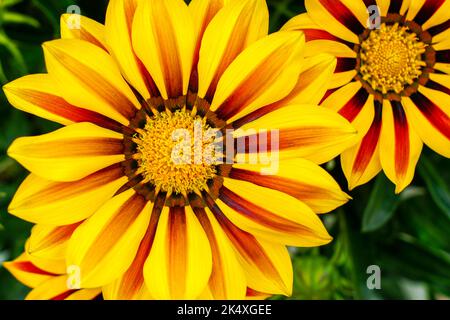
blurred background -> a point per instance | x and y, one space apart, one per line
406 236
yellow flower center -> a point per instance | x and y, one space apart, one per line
170 152
391 58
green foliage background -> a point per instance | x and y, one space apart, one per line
407 236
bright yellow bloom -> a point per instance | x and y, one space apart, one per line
391 81
145 224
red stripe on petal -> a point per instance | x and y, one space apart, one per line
327 94
58 106
352 108
437 86
369 142
443 56
64 295
402 147
345 64
27 266
433 113
246 244
343 14
395 6
428 9
439 28
294 188
258 214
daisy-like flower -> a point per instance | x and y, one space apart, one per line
391 81
42 267
147 225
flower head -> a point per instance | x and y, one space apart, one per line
391 79
163 107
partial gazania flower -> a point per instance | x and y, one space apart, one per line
179 230
391 82
42 267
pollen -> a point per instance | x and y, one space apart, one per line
391 58
170 152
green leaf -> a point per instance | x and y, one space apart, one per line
435 184
17 18
383 202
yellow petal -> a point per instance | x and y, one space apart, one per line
400 146
202 11
283 219
87 77
264 73
119 21
428 13
304 131
59 203
355 104
74 26
163 38
361 162
430 117
267 265
227 278
26 272
299 178
336 18
232 30
105 245
314 80
180 262
70 153
56 288
36 94
131 285
49 242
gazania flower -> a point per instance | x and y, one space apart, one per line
196 228
391 79
43 267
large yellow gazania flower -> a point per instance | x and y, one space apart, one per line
391 82
155 228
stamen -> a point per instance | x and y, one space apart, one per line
391 58
157 145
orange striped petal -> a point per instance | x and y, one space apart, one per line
74 26
26 272
299 178
362 162
400 146
105 245
430 115
179 264
302 131
36 94
118 30
60 203
264 73
164 40
345 19
131 285
202 11
88 77
283 219
267 265
428 13
233 29
47 245
227 279
70 153
57 288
